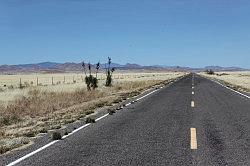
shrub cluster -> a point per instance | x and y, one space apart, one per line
111 111
89 120
56 136
210 71
90 80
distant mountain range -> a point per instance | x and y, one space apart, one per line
53 67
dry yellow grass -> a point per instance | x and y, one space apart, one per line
38 109
239 80
11 90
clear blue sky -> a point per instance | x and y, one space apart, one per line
192 33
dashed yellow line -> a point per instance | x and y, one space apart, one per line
193 138
192 103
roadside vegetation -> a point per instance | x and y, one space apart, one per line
90 80
238 80
210 72
109 72
40 110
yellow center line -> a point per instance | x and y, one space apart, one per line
192 103
193 138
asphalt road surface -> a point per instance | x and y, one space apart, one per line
194 121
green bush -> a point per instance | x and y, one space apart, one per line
90 80
56 136
111 111
211 72
89 120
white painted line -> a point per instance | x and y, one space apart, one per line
31 154
192 87
227 87
231 89
145 95
53 142
192 103
193 93
127 104
193 138
101 117
76 130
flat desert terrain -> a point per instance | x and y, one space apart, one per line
239 80
37 103
67 82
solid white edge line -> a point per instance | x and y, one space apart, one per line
145 95
101 117
158 89
31 154
51 143
235 91
231 89
127 104
76 130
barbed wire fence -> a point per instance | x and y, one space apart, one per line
22 81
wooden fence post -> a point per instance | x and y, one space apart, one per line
20 83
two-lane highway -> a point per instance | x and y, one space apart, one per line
194 121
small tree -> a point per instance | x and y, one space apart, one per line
90 80
109 72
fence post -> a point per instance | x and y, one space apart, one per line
52 80
37 81
20 83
